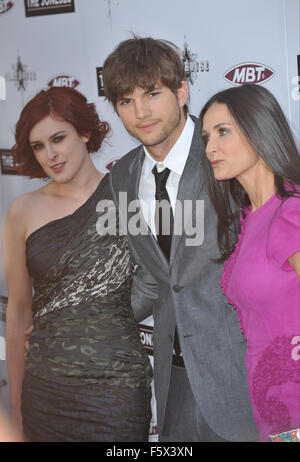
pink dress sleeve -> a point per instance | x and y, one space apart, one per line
284 238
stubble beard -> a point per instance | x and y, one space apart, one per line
165 134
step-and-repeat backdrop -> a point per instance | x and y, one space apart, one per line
46 43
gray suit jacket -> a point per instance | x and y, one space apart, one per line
187 291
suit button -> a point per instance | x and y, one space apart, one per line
171 338
177 288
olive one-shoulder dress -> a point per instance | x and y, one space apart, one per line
87 374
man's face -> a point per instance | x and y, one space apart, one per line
156 118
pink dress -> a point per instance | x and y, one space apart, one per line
265 290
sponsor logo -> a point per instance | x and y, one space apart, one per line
192 66
249 73
44 7
100 81
63 81
146 334
21 76
3 305
5 5
8 167
296 83
2 88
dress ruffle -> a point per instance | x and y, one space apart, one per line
228 268
275 367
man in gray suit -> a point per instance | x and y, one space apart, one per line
201 392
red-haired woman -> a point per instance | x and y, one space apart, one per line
86 376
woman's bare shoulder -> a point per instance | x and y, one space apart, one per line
25 202
23 209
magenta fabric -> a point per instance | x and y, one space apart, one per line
265 290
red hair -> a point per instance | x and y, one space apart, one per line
64 103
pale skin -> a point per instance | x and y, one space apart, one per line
54 143
231 156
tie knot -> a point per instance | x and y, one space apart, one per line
161 177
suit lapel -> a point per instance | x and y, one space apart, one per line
190 185
145 244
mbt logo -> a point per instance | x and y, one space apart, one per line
64 81
5 5
248 73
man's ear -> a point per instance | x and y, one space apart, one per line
183 93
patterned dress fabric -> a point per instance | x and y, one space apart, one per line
88 376
261 284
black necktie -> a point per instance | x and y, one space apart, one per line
164 222
163 212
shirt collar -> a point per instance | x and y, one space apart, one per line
177 157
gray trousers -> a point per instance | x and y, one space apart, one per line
184 421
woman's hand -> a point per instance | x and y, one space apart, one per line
27 333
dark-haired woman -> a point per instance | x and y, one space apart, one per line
252 165
87 376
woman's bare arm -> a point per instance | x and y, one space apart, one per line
19 313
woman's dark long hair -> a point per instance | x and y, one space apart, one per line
264 125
